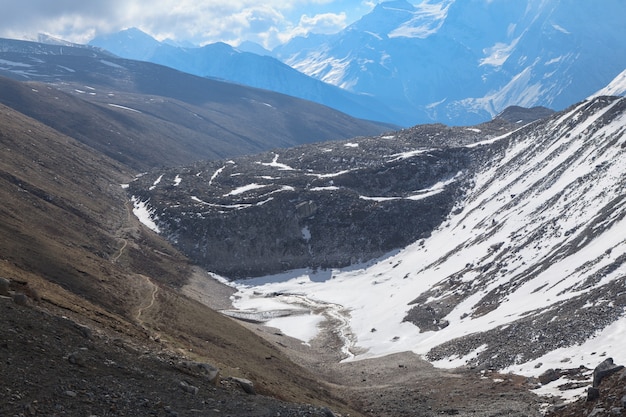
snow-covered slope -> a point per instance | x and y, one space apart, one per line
527 273
617 87
462 62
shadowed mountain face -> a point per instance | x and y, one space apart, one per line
146 115
223 62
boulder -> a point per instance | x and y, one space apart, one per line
549 376
201 369
246 385
4 286
593 394
604 369
188 387
20 299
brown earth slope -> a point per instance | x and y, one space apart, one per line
68 239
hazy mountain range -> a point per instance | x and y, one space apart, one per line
149 115
455 62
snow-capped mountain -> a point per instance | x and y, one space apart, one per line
523 267
462 62
258 69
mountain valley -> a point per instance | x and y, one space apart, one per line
174 245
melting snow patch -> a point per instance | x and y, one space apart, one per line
351 145
144 214
276 164
244 189
177 181
111 64
118 106
155 183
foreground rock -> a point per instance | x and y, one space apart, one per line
606 397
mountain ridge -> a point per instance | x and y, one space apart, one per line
148 115
222 61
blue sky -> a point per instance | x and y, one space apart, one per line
269 22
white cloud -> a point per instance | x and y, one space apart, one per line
197 21
320 23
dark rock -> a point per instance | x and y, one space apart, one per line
20 299
201 369
593 394
549 376
624 401
328 413
596 412
77 358
606 368
4 286
84 330
245 384
188 387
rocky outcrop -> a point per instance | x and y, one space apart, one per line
604 398
319 206
606 368
4 286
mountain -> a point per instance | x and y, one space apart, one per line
94 316
147 115
270 206
462 62
494 246
221 61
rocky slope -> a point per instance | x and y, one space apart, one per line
326 205
92 320
517 260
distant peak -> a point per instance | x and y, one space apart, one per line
135 32
396 4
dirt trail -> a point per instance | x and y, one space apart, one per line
152 298
121 251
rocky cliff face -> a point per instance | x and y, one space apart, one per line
320 206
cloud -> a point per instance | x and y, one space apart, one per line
319 23
198 21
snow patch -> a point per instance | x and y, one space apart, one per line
145 214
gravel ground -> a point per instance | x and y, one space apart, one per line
54 366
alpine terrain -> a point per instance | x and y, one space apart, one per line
150 115
498 246
222 61
174 245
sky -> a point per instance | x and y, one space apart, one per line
268 23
